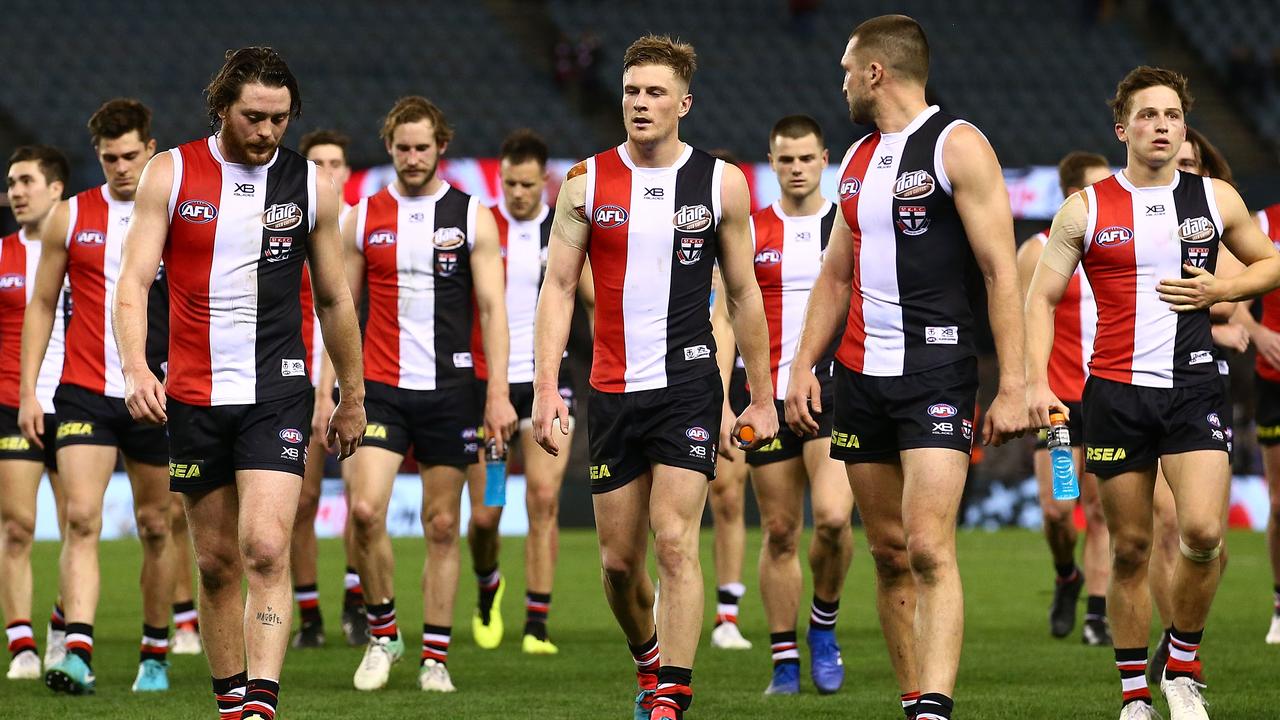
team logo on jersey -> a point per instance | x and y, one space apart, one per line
913 220
768 256
1200 357
282 216
382 237
849 187
942 335
1196 230
290 367
697 352
13 281
913 185
291 435
91 237
197 211
278 248
942 410
446 263
1198 256
690 250
697 434
610 216
692 218
1111 236
448 238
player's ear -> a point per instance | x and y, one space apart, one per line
1121 135
444 146
686 104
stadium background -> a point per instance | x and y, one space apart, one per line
1033 76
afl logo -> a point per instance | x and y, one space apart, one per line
382 237
291 435
849 187
697 434
90 237
610 216
692 218
768 256
13 281
1114 235
913 185
1213 419
942 410
282 216
1196 230
197 211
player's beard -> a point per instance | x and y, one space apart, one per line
861 110
236 146
413 188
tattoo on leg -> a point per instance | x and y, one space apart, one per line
269 617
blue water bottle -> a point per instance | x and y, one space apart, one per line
1065 486
495 475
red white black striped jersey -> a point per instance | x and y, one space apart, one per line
1134 238
909 310
417 253
1075 321
19 257
788 256
652 244
1269 219
236 247
524 258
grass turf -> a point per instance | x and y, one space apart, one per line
1011 666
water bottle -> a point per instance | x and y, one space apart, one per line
1065 486
495 475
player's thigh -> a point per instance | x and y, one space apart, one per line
1201 485
1271 469
543 472
91 466
622 523
1127 502
371 476
731 479
268 503
829 489
213 518
779 488
19 485
442 493
150 484
933 482
677 499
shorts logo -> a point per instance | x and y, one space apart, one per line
610 216
966 429
74 429
1214 420
448 238
1268 432
446 263
291 435
1199 357
849 187
913 185
278 248
599 472
184 471
198 212
381 237
1101 454
697 434
91 237
470 433
944 428
1196 230
690 250
913 220
290 453
282 216
1111 236
462 360
292 368
844 439
14 443
698 451
697 352
774 446
692 218
944 335
942 410
375 432
1217 435
768 256
1198 256
13 281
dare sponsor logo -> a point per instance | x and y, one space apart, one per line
692 218
913 185
282 216
91 237
768 257
13 281
942 410
1112 236
849 187
448 238
1196 230
291 435
381 237
198 212
610 216
697 434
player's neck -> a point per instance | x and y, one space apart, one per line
32 229
525 217
896 110
794 206
117 196
1140 174
657 154
431 188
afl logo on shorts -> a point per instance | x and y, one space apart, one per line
197 211
1214 420
291 435
697 434
1196 230
282 216
448 238
849 187
90 237
913 185
382 237
1114 235
942 410
768 256
610 216
692 218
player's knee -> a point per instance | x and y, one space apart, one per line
781 537
543 501
153 526
620 569
18 533
219 570
1201 542
890 560
1129 554
308 503
928 558
485 520
441 527
673 551
726 497
84 520
367 517
1057 514
265 555
830 524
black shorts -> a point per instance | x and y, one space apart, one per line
878 417
208 444
442 426
1267 411
521 395
739 394
1075 426
13 446
677 425
1128 427
87 418
787 444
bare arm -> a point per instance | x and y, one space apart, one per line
722 331
587 294
1052 274
353 263
37 321
491 300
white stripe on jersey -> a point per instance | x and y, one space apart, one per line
524 274
415 268
801 261
51 366
118 216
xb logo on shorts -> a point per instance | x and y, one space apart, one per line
600 472
184 471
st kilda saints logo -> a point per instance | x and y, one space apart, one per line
278 248
912 220
446 263
690 250
1198 256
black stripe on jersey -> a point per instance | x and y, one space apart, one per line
1193 350
827 362
158 324
932 255
452 268
691 350
544 240
280 355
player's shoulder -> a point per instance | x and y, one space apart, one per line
578 170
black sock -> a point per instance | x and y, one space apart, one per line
435 644
823 614
1066 572
308 599
155 643
57 619
353 591
229 694
261 696
80 641
184 613
537 606
489 581
934 705
674 688
1095 607
784 648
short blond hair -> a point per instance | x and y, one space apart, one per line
665 51
415 108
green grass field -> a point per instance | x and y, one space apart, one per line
1011 667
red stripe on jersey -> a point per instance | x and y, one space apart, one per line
852 351
382 334
608 254
85 363
1066 362
308 319
190 376
480 362
770 236
13 303
1114 277
1270 301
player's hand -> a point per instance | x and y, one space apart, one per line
144 396
727 443
321 415
499 420
346 428
31 420
1231 336
763 419
803 392
1267 342
1197 292
1040 401
549 410
1006 418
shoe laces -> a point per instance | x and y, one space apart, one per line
377 650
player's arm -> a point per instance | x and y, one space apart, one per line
143 245
1244 239
745 306
977 187
37 321
1228 332
587 294
566 255
337 315
491 301
722 331
353 262
1050 277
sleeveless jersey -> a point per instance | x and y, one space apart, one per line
312 339
652 244
417 253
524 259
1134 238
1074 322
909 310
1269 219
788 256
234 256
19 257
